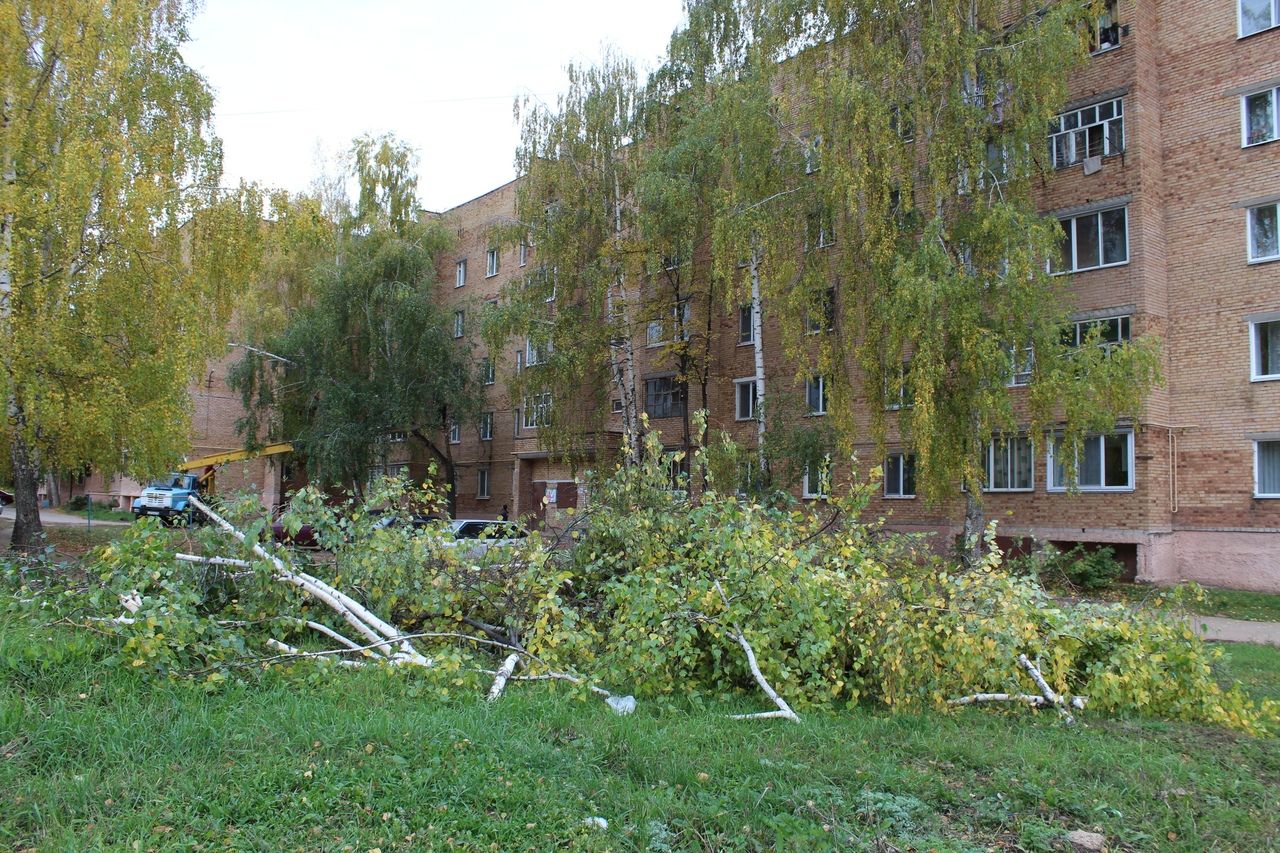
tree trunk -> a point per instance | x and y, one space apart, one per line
28 535
450 470
974 526
757 346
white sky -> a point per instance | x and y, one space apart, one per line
297 80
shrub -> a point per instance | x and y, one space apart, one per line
77 503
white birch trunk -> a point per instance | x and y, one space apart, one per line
504 673
626 373
757 346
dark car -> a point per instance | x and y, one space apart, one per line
306 535
5 498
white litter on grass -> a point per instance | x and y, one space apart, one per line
622 705
597 822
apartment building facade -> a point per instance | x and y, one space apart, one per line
1167 182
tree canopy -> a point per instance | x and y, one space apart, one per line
123 257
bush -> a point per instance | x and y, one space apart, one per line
1080 568
78 503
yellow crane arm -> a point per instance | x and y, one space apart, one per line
235 456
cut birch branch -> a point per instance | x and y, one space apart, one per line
356 615
333 635
504 672
1052 697
765 715
784 710
291 651
621 705
1077 702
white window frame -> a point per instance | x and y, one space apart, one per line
615 406
826 226
809 383
486 426
1255 348
746 336
1074 157
524 252
535 354
1275 19
826 316
1257 469
813 154
459 323
535 410
455 432
488 371
1274 93
752 399
1020 371
1053 486
1250 213
1009 442
1124 323
901 494
655 335
460 273
1075 242
482 482
823 489
490 263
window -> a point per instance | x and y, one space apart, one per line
902 120
816 481
486 370
455 432
1265 358
615 405
746 399
536 353
537 411
1009 465
1264 243
824 318
1258 15
1266 469
1258 117
813 154
1104 463
460 273
459 323
395 437
1021 365
1106 32
544 280
1108 332
897 387
1093 240
746 325
653 335
524 252
486 426
815 395
820 230
491 263
1093 131
900 475
482 482
664 397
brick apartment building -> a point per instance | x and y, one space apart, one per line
1167 180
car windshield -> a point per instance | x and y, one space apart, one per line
490 529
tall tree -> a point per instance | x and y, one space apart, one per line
368 350
122 257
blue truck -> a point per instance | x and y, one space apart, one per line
169 499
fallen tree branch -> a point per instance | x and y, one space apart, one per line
292 652
355 614
784 710
1077 702
1045 689
504 672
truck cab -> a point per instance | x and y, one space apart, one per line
168 499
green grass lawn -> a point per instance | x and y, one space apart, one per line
1232 603
68 541
99 758
100 513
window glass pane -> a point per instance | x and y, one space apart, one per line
1087 249
1058 471
1260 117
1000 465
1116 461
1115 136
893 475
746 330
1255 15
909 475
1269 467
1263 241
1115 242
1063 263
1022 462
1268 348
1091 462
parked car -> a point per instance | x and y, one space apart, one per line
306 535
475 536
5 498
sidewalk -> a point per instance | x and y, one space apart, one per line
1236 630
62 519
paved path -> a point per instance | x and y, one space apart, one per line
1237 630
62 519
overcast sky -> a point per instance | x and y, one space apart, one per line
298 79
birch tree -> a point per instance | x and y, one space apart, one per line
122 255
